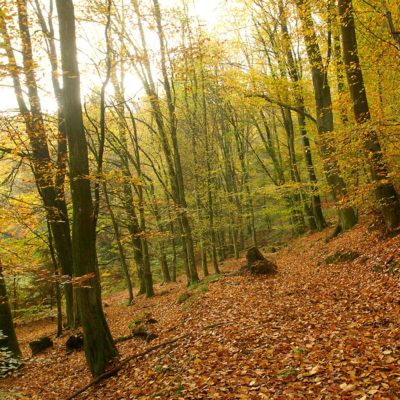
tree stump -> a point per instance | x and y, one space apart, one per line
257 264
40 345
74 342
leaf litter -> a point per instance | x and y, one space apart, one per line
314 331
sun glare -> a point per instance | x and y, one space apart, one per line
208 12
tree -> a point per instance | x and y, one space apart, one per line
8 338
385 192
294 74
49 179
323 104
99 345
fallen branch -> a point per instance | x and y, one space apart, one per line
117 368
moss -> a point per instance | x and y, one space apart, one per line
393 267
183 297
341 257
287 373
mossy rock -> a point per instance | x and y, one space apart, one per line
341 257
143 318
183 297
142 332
139 331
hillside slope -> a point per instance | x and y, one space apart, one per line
314 331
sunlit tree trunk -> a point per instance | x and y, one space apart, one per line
185 223
294 74
323 103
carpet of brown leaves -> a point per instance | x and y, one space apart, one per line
311 332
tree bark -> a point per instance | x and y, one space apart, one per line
294 74
49 183
385 192
7 330
323 103
99 345
121 251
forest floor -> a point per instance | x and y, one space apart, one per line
313 331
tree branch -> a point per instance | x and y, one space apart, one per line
284 105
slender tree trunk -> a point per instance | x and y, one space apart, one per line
171 226
142 240
294 198
121 252
161 246
234 238
56 283
180 188
318 217
164 263
134 233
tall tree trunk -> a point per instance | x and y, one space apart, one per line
294 74
161 245
385 193
133 223
147 274
173 245
180 188
295 197
323 103
56 283
134 233
168 135
99 345
46 179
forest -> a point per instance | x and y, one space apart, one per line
200 199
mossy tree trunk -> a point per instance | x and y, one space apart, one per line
385 193
324 111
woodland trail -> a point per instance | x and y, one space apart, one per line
314 331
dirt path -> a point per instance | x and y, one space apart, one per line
312 332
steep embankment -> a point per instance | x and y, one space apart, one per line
314 331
